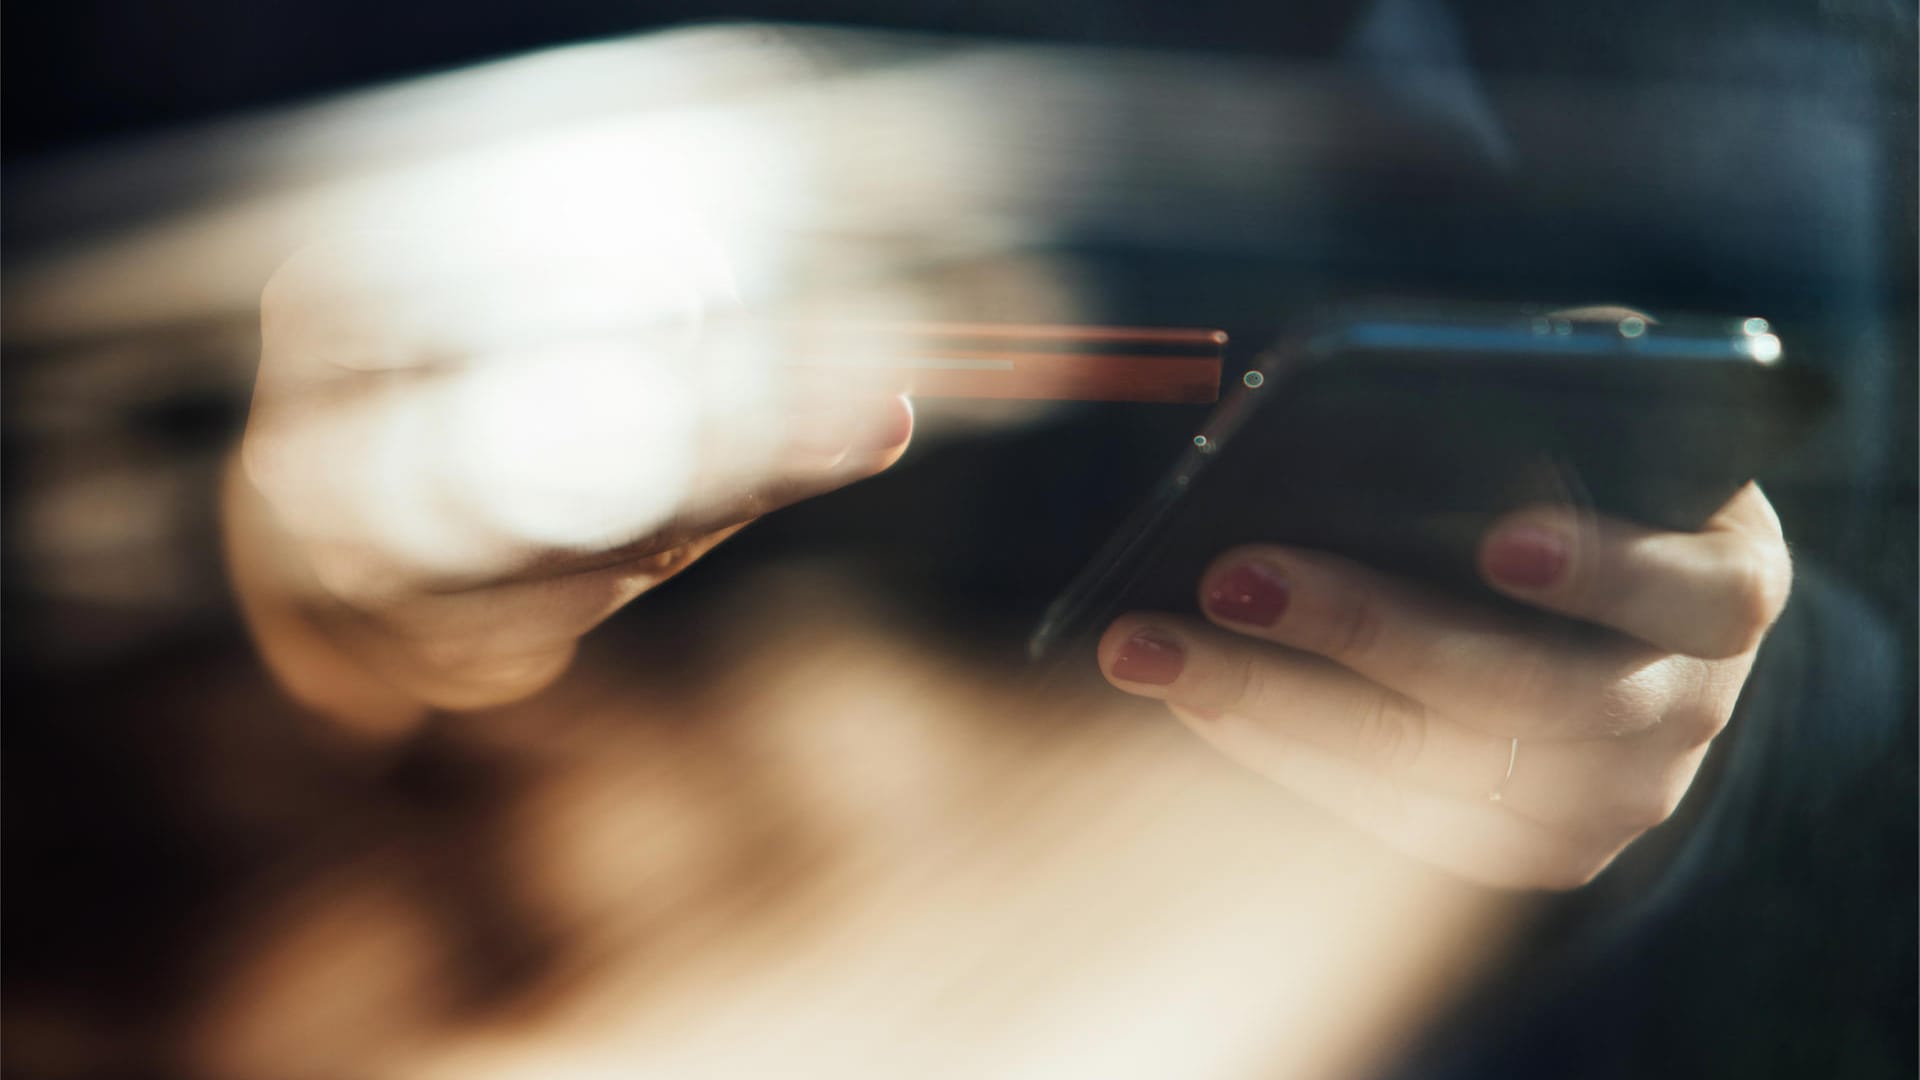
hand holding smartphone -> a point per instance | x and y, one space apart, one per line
1395 436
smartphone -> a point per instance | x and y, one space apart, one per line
1396 435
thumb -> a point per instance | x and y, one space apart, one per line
821 451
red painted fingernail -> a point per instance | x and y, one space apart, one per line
1249 593
1149 656
1526 557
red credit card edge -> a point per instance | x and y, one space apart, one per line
1155 335
991 370
1079 377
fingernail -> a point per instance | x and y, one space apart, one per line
1250 593
1149 656
892 429
1526 557
829 434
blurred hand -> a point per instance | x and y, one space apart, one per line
1398 709
463 454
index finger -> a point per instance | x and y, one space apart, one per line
1711 594
1502 672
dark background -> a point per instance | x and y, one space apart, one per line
82 72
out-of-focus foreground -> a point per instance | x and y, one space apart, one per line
796 814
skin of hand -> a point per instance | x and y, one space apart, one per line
462 457
1396 708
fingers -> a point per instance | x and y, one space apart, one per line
1476 841
1710 594
835 457
1609 788
1510 747
1489 670
821 450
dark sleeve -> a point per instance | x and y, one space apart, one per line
1768 929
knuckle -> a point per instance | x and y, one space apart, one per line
1761 578
673 536
1391 731
1526 684
1697 724
667 562
1585 584
1570 859
1622 707
1570 870
1645 805
1239 689
1775 574
1354 628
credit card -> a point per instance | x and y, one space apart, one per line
1034 362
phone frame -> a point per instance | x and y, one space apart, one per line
1713 389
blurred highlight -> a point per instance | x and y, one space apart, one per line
846 859
795 838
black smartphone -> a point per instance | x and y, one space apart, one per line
1397 435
